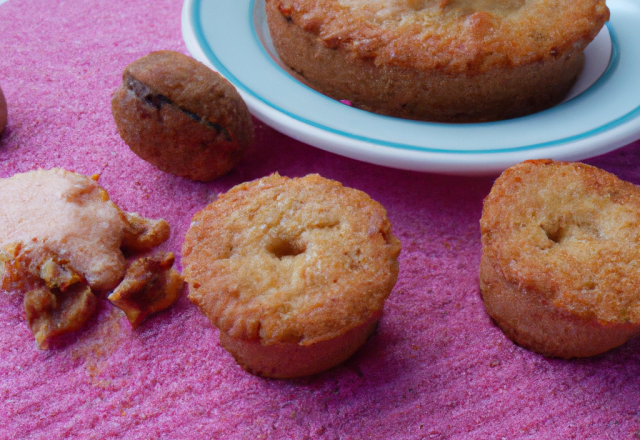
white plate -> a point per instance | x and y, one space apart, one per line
232 38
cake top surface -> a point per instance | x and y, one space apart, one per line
290 260
569 232
451 35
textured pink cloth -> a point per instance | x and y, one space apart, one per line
436 367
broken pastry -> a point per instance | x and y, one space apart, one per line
57 300
61 242
150 285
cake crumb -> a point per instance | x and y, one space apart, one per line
150 285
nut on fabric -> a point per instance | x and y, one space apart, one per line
150 285
181 117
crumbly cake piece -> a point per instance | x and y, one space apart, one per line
72 216
291 266
149 285
61 242
447 60
560 250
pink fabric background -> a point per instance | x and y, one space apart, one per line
436 367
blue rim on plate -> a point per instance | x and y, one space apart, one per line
227 37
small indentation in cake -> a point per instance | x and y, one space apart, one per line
324 224
286 248
418 5
560 232
227 253
355 260
285 11
555 235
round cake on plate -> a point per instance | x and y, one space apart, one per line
437 60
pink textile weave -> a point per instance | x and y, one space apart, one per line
436 368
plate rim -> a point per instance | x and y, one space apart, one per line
616 133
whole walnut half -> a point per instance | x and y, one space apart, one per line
181 117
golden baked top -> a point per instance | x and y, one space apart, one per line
290 260
571 233
451 35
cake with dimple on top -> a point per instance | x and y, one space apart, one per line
559 271
437 60
293 272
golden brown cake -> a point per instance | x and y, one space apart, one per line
181 116
293 272
560 265
437 60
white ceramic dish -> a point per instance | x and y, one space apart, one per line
601 114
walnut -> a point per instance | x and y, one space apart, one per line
54 312
150 285
142 234
57 299
181 117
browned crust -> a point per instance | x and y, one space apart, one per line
451 36
495 92
534 323
282 260
560 245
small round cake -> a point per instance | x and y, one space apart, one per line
560 265
437 60
293 272
181 116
